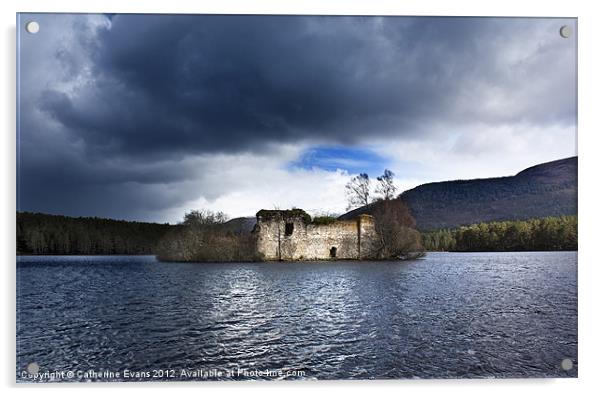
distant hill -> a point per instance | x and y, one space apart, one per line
548 189
241 224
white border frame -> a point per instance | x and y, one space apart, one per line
590 130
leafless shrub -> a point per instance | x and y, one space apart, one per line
204 237
397 238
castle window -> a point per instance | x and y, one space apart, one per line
288 229
333 252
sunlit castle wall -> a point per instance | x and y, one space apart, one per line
290 235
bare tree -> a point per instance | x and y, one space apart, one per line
386 187
358 191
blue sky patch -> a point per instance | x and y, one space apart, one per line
353 160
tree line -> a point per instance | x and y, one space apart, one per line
542 234
39 233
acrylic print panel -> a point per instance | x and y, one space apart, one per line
220 197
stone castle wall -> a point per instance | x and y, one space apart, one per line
282 236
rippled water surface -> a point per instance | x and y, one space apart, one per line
448 315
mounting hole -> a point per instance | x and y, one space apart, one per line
566 31
32 27
33 368
566 364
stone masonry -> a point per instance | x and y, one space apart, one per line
291 235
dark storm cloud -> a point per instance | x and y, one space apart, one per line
109 127
167 84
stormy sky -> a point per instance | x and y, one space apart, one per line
144 117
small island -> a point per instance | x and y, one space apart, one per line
387 233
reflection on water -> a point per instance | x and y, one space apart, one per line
449 315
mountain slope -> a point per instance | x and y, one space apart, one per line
548 189
241 224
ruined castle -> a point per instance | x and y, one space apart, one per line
292 235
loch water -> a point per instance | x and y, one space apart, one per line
449 315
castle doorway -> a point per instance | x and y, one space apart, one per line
333 252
